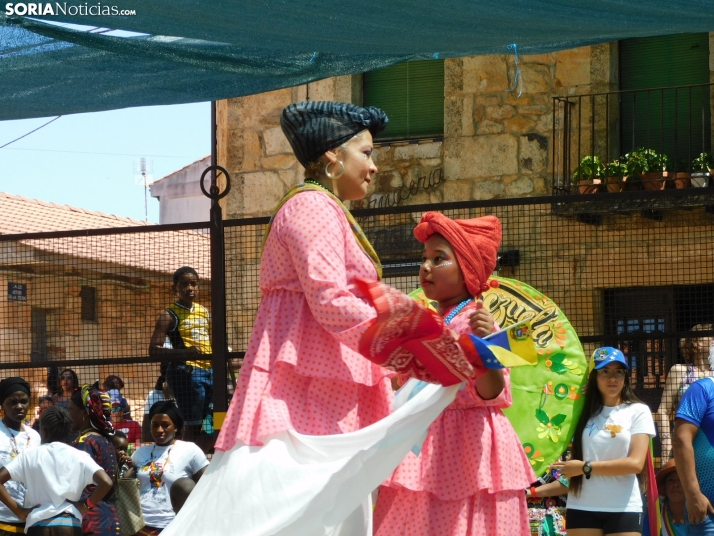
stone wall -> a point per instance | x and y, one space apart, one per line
495 144
252 147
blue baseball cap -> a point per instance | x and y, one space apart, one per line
602 357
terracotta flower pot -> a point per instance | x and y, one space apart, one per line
614 184
588 186
682 180
654 180
631 184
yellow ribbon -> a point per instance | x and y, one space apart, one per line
19 529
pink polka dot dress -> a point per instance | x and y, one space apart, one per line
301 370
470 476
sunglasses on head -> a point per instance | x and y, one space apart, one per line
118 409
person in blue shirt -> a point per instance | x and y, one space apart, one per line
694 454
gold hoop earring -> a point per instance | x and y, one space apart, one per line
336 176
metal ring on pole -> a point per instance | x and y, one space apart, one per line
216 196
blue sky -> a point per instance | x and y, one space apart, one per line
87 160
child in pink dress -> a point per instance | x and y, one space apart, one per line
469 477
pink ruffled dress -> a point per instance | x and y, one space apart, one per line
470 476
301 370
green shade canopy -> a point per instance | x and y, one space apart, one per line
197 51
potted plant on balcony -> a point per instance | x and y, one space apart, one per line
588 175
615 174
655 178
700 166
636 165
681 179
648 164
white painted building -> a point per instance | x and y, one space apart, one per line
180 197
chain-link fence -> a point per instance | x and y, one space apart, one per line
77 307
633 270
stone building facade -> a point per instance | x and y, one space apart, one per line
496 144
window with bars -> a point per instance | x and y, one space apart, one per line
646 324
89 303
412 95
38 330
656 328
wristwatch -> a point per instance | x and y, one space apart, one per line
587 470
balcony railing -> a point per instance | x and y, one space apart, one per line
671 121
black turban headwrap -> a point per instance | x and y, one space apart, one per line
167 407
12 385
315 127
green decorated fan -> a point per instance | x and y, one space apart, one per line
548 397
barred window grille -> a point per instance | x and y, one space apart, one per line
38 330
89 303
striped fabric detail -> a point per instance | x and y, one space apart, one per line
315 127
62 520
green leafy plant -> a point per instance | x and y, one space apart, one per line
643 160
657 161
703 163
615 169
589 168
635 163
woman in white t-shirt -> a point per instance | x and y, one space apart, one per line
15 437
609 451
54 475
160 464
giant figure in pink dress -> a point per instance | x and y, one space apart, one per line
301 369
469 477
303 379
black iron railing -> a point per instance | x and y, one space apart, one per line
675 122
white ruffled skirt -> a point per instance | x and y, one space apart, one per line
300 485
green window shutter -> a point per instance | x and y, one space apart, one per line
675 122
412 95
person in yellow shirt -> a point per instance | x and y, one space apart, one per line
188 326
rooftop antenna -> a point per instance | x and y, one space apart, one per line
144 175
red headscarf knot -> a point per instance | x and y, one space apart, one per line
475 243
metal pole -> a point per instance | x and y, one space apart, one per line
218 288
554 142
146 198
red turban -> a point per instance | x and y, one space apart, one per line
475 243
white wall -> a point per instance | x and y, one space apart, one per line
180 197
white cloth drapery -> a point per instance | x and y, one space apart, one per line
307 485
